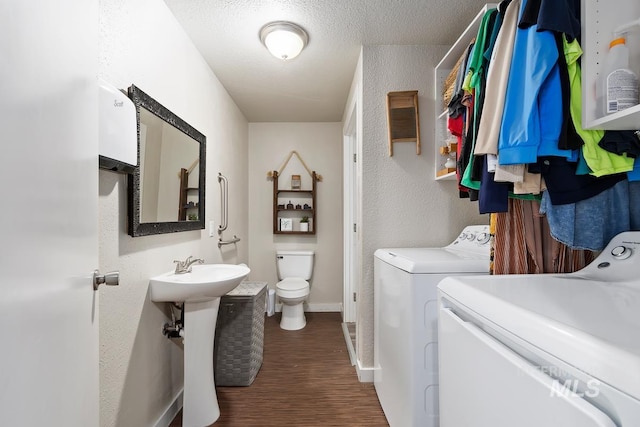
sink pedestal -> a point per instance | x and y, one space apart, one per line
200 403
200 289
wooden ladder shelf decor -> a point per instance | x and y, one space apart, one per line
303 211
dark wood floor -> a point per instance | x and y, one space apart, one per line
306 380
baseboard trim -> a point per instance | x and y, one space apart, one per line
332 307
365 375
171 411
350 349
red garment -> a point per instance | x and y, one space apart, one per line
465 152
456 125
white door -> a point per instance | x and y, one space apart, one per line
48 220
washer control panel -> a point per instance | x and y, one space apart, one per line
474 238
618 261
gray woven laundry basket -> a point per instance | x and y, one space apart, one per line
239 338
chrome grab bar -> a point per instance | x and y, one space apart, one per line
221 242
224 211
224 202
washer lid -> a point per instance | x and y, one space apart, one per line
590 324
435 260
292 284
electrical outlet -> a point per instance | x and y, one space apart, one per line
212 229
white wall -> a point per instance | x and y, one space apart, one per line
320 146
402 205
140 370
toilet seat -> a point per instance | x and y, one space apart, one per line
292 287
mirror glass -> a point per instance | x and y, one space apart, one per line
166 190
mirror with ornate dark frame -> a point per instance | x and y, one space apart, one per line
166 190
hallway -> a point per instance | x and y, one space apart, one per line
311 366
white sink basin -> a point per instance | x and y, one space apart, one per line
200 290
204 282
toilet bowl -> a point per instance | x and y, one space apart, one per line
294 270
292 292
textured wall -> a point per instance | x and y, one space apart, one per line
402 205
140 370
320 146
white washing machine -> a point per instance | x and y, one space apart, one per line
544 350
405 316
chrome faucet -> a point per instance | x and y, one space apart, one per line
185 266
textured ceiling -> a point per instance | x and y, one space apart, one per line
314 86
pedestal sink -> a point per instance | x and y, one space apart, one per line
200 290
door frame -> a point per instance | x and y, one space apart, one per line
351 232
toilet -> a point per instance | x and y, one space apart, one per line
294 271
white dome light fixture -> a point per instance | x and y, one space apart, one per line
285 40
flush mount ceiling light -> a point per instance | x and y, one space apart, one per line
285 40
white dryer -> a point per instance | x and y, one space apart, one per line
544 350
405 316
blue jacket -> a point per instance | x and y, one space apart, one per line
532 117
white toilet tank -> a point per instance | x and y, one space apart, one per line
294 264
